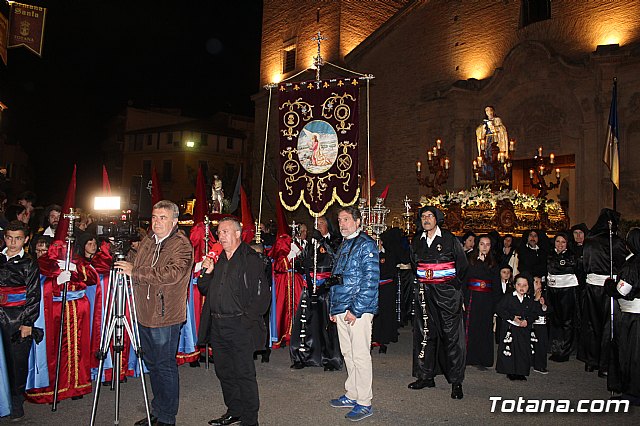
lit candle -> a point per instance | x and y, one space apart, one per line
475 164
418 166
530 173
435 151
446 163
477 177
540 151
439 143
506 169
482 144
512 145
557 173
479 161
429 154
552 158
541 170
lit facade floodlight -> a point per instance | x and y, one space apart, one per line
106 203
190 144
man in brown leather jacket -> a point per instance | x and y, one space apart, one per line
161 269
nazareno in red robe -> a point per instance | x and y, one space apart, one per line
75 360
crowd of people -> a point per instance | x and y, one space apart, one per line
327 297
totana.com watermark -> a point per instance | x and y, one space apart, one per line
522 405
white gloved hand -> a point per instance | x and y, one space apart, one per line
72 266
197 268
65 276
624 288
295 251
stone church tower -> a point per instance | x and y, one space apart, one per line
546 66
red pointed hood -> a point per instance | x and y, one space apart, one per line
106 186
283 228
248 225
69 201
385 192
156 191
200 207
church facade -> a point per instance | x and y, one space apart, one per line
547 67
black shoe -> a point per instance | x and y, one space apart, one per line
521 377
266 355
194 364
602 374
382 349
481 368
422 383
456 391
512 377
330 368
225 420
588 368
297 366
143 422
76 398
165 424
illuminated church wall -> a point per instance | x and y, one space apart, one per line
546 81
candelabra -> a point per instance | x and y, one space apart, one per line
374 218
543 167
493 167
438 166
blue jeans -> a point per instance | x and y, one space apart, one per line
159 349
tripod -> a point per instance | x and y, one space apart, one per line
115 324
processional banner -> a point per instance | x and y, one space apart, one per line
318 144
27 27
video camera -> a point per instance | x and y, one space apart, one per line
120 228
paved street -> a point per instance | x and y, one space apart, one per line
300 397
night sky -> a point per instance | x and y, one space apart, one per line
100 56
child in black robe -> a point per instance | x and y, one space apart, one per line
540 332
518 312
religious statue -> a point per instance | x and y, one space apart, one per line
492 131
217 195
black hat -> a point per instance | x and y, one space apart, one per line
436 212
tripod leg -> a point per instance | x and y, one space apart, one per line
116 377
96 396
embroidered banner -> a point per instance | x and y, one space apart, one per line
4 30
319 144
27 27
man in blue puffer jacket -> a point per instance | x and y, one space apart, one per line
354 302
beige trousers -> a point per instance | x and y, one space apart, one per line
355 344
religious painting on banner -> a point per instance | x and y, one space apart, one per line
318 144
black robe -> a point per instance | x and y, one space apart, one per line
564 301
314 338
479 310
385 323
515 347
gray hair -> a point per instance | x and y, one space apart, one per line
235 221
168 205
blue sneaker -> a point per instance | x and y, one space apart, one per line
359 412
343 402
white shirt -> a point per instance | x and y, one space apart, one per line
49 231
430 240
21 253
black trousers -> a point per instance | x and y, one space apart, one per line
17 357
233 360
445 350
564 302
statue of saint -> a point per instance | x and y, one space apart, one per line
491 130
217 195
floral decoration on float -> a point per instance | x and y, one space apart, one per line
507 211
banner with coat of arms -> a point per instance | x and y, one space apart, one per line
318 144
27 27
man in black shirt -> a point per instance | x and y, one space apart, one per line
237 296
